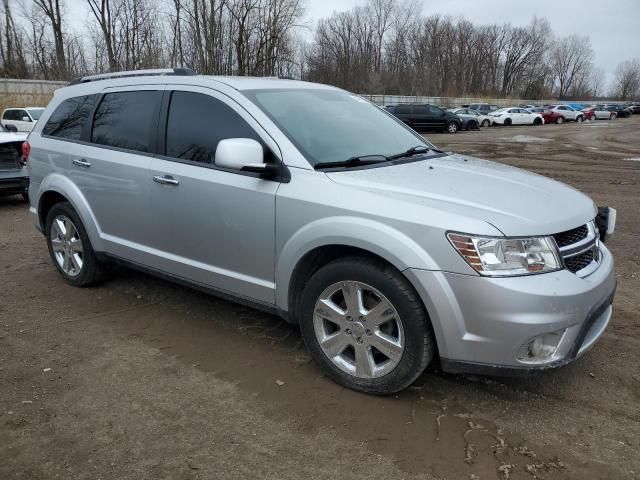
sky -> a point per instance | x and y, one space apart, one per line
613 26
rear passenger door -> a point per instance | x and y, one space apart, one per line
421 117
111 167
211 225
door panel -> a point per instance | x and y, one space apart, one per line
215 227
114 180
210 225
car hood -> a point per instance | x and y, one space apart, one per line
515 201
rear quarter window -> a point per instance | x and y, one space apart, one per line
69 117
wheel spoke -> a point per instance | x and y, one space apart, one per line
65 262
57 245
71 231
364 361
335 344
328 310
76 245
352 293
76 265
381 313
61 228
387 346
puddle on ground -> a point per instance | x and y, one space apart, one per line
637 159
528 139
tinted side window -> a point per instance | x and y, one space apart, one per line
67 120
403 109
435 110
420 110
13 115
7 115
196 124
127 120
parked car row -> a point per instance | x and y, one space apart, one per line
423 117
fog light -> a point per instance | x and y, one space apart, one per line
542 348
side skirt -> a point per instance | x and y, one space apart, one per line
220 293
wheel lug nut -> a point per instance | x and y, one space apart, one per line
369 332
349 318
347 331
359 339
362 319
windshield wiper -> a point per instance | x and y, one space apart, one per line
413 151
353 162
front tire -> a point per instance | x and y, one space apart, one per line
580 119
537 121
560 120
486 123
365 326
507 122
69 246
452 127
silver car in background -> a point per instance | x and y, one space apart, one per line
311 203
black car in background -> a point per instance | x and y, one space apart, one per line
423 117
620 110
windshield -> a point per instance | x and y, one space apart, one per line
333 125
35 113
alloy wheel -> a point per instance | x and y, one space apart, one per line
66 245
358 329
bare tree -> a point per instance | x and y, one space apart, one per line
570 60
12 54
626 85
52 9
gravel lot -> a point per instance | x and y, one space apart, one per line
139 378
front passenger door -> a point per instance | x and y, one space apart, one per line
211 225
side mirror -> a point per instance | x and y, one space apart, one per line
26 119
10 127
244 154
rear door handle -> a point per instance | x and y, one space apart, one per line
82 163
165 180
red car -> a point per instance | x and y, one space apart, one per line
549 116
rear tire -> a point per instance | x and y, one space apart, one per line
537 121
580 119
25 196
452 127
507 122
486 123
69 247
345 341
560 120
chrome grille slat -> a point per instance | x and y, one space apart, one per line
579 249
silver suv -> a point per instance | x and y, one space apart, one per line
311 203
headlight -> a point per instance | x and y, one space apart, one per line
507 256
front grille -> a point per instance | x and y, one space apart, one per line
578 262
564 239
9 156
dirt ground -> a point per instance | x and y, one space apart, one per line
142 379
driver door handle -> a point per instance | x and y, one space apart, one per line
165 180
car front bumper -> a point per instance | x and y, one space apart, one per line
13 182
482 323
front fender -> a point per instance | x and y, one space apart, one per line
372 236
65 187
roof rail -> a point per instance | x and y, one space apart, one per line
135 73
